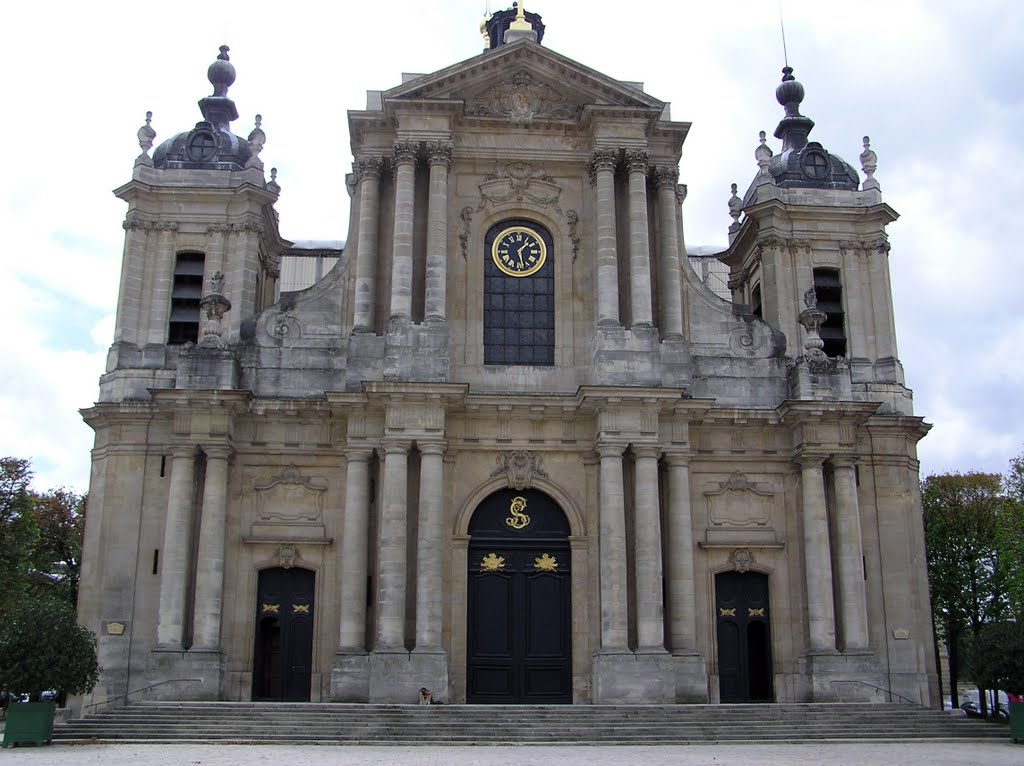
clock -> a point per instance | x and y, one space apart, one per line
519 251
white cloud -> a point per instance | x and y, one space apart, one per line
934 85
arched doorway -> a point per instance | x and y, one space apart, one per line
744 637
283 657
519 632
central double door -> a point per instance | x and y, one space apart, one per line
519 610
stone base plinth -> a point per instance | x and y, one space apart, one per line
691 677
396 676
626 357
198 675
350 678
847 677
641 678
827 380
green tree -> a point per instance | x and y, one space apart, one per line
997 660
1010 535
59 515
966 573
18 532
42 647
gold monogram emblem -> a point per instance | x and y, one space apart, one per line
726 612
300 608
271 608
492 562
755 612
545 563
518 519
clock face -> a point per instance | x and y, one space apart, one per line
519 251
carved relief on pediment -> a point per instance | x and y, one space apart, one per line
290 498
519 467
738 503
519 181
522 100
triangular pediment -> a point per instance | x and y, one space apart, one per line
523 77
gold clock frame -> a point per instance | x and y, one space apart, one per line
525 230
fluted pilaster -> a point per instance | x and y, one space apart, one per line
440 158
368 172
602 168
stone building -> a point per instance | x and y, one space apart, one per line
510 447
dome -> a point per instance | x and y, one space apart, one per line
210 144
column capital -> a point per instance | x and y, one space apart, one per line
810 461
218 451
603 158
637 160
666 177
646 451
369 166
678 459
843 461
358 454
432 448
183 450
396 447
405 151
440 153
610 450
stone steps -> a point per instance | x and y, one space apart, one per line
323 723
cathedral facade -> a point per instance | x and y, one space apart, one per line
510 447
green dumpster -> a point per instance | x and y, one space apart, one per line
1017 722
29 722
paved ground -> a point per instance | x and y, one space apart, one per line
875 754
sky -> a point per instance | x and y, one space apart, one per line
936 85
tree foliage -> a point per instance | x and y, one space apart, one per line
42 647
966 573
40 538
997 657
18 531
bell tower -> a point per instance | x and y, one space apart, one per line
201 252
811 257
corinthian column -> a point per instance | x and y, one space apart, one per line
368 172
354 544
650 625
133 267
602 172
682 613
852 599
210 561
670 292
392 556
817 557
176 565
429 555
160 308
401 254
614 599
639 243
440 157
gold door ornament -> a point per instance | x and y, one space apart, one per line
518 519
492 562
726 612
271 608
545 563
300 608
755 612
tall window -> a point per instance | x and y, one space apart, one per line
519 294
829 292
186 290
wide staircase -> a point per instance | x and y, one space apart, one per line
353 724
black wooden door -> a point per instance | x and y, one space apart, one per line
520 623
283 657
744 637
